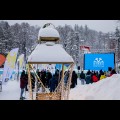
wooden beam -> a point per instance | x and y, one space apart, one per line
69 81
39 80
48 38
30 83
62 83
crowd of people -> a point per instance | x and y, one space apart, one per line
51 81
95 76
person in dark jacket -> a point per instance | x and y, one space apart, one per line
97 74
22 84
53 83
26 78
74 80
43 77
48 77
92 73
88 77
113 72
82 78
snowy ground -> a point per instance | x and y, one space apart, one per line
106 89
11 91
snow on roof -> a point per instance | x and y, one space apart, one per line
44 53
105 89
48 32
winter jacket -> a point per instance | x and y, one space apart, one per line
53 84
74 80
110 75
82 76
94 78
102 77
88 79
23 82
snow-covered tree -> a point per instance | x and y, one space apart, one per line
6 36
25 38
1 39
117 34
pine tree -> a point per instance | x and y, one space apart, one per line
1 39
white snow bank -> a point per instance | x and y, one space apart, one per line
106 89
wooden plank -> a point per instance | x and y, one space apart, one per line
48 96
62 83
48 38
69 81
29 82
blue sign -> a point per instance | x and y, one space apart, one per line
99 61
58 66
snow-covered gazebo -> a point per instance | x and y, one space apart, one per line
50 52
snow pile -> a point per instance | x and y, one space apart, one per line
106 89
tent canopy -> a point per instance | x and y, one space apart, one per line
49 54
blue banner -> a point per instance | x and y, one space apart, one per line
99 61
58 66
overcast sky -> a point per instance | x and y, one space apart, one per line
99 25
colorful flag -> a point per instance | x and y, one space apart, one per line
2 59
65 68
9 64
19 64
86 49
21 61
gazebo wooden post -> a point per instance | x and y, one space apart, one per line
29 82
69 81
62 83
59 75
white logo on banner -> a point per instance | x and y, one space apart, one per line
98 62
